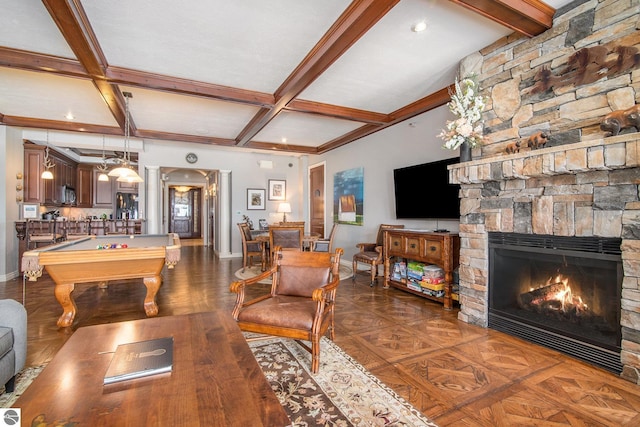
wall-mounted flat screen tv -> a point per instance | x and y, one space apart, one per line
423 191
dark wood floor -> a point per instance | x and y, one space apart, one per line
456 374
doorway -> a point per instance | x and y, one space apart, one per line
317 199
185 205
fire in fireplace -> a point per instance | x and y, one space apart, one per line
560 292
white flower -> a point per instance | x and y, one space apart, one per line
467 104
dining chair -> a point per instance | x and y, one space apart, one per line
251 248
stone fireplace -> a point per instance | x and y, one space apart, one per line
583 190
583 183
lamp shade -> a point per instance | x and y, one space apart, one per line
103 177
47 174
284 207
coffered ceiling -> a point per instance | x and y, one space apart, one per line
300 76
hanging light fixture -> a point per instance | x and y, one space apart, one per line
125 171
48 163
103 166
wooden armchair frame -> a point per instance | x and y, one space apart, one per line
252 248
371 253
301 302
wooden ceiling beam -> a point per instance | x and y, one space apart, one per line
74 25
527 17
356 20
336 111
418 107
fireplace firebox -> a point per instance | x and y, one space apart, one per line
560 292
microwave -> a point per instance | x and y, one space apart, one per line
68 195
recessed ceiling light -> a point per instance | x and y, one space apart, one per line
419 26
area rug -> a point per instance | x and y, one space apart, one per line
23 380
249 272
343 393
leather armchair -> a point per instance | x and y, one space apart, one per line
371 253
301 302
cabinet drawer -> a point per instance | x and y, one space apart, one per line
412 247
433 249
395 245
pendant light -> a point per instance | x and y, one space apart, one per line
48 163
125 171
103 166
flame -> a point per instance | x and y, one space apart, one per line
563 296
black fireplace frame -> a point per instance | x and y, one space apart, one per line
604 248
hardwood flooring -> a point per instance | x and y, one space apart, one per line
456 374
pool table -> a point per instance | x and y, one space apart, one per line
94 259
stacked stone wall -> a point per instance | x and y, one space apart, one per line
583 183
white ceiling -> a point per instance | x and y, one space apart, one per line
233 73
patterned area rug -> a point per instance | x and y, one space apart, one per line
343 393
23 380
345 273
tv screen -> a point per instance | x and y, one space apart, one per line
423 191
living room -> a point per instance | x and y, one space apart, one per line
413 142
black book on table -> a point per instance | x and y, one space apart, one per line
140 359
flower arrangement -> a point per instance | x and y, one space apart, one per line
467 104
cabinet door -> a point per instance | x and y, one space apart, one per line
126 187
102 192
84 186
33 184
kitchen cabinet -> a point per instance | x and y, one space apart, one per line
46 191
102 192
84 186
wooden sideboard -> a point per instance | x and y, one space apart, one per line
441 249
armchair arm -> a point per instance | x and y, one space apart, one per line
239 286
366 247
14 316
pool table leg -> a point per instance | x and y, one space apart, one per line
69 309
152 284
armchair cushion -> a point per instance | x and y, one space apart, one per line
301 281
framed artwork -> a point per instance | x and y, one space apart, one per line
255 199
348 196
277 189
29 211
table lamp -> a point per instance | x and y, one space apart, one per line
284 208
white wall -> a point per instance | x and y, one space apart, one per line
409 143
245 173
11 156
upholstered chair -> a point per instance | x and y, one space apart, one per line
325 245
288 237
252 248
301 302
371 253
13 341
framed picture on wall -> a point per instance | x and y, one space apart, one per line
29 211
277 189
255 199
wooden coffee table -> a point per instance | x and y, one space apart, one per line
215 380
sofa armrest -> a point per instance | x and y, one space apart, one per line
13 315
